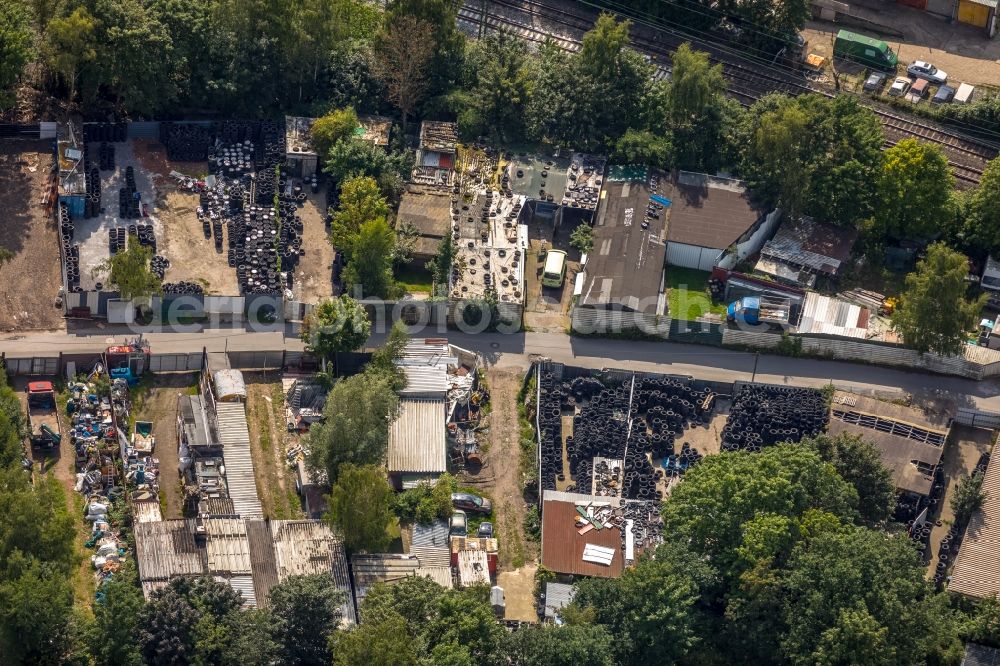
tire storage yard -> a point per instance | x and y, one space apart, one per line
614 443
213 201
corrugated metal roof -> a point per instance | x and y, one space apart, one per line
430 544
980 655
167 549
263 565
371 569
240 477
473 568
417 438
227 545
563 546
146 512
977 567
832 316
557 597
309 547
425 380
440 575
242 584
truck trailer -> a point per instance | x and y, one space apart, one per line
43 416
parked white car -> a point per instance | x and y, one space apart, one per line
899 87
925 70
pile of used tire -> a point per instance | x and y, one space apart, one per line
159 265
764 415
107 132
129 199
186 142
183 288
550 427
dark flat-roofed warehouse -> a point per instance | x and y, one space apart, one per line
624 271
910 442
707 216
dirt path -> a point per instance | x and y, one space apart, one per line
31 279
159 405
265 418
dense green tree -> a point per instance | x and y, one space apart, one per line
446 41
369 264
361 201
129 271
116 620
503 87
355 428
36 525
335 325
982 624
863 588
780 149
379 642
933 314
567 645
559 110
582 238
355 157
724 496
15 50
306 610
251 640
71 42
426 503
651 609
858 462
364 525
36 601
982 223
383 361
333 127
914 192
644 147
968 497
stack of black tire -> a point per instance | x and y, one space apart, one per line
92 202
70 252
128 202
764 415
183 288
106 156
117 239
186 142
144 234
550 427
270 148
94 132
159 265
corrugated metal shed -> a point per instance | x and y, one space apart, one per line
430 544
371 569
227 545
308 547
557 597
563 546
167 549
977 567
428 381
473 568
235 439
242 584
146 512
216 506
832 316
440 575
417 438
980 655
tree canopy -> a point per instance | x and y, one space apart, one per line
934 314
914 192
130 272
361 507
336 325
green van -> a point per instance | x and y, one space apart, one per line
864 50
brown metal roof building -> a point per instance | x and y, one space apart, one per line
707 215
910 442
429 212
804 248
562 544
977 567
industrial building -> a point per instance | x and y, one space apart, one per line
977 568
568 547
804 249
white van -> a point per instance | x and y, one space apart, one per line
555 268
964 94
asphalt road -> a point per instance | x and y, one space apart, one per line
520 349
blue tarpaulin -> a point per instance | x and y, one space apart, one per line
656 198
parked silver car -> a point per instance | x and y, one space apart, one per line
925 70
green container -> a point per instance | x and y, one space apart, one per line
864 50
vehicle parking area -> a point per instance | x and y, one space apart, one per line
546 309
32 277
172 210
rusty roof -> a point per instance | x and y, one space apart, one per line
562 545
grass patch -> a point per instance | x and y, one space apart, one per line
689 295
414 279
512 541
528 445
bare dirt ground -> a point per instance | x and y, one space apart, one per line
268 440
962 452
159 405
519 593
31 280
61 463
314 275
546 309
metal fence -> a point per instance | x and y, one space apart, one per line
33 365
176 362
977 418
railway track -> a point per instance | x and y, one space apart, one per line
745 81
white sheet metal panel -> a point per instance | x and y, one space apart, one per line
440 575
146 512
427 381
692 256
598 554
557 597
473 568
417 438
240 478
228 546
431 545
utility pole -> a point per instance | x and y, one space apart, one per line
756 357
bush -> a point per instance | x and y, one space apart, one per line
426 502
